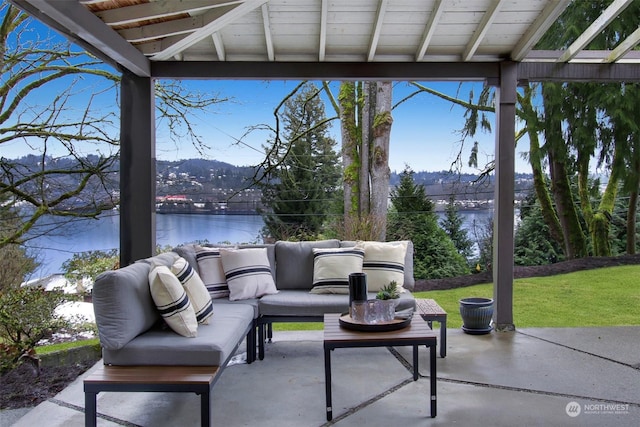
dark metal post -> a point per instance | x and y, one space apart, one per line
503 221
137 169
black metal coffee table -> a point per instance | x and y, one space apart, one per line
416 334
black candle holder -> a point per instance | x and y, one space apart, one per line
357 288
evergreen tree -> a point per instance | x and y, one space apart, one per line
452 224
533 242
413 218
306 176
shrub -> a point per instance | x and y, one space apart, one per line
28 315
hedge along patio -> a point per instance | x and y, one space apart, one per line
347 40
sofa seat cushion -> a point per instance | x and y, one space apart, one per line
214 344
252 302
302 303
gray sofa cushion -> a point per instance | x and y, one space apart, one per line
214 344
294 268
409 280
123 306
302 303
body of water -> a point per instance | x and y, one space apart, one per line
172 230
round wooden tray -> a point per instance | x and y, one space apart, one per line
398 323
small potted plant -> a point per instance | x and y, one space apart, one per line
384 300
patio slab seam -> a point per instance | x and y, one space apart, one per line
367 403
532 391
608 359
98 415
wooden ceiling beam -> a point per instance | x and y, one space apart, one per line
624 47
430 28
480 33
596 27
214 22
158 10
377 29
539 27
322 45
267 32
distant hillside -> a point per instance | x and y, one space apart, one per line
213 181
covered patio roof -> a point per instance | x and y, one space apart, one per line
491 40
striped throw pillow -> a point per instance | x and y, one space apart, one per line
196 290
172 301
248 273
331 269
384 263
211 271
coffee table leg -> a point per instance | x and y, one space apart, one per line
432 375
416 374
443 337
327 381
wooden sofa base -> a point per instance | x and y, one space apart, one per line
192 379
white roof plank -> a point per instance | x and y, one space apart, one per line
160 30
609 14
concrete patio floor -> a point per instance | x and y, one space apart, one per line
531 377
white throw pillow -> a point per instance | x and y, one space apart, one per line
331 269
196 290
248 273
211 271
384 263
172 301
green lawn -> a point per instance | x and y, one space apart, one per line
600 297
66 346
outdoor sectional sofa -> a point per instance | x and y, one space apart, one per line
130 327
287 286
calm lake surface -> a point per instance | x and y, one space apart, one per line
171 229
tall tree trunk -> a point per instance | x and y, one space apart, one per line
540 183
379 155
575 242
349 133
379 164
601 222
632 184
632 212
368 112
